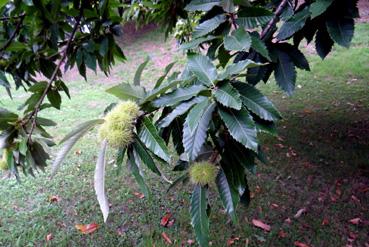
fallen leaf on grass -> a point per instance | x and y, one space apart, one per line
138 195
166 238
260 224
282 234
190 242
54 199
165 220
288 221
299 244
355 221
325 222
231 241
49 237
87 229
274 205
299 213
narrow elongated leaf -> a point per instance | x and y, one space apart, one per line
182 179
194 43
241 127
323 42
179 95
150 137
196 113
285 73
99 181
319 7
228 96
199 217
137 78
125 91
226 194
208 26
6 117
70 140
239 40
253 17
257 102
293 24
202 68
160 90
166 72
194 140
179 110
135 170
145 157
237 68
341 30
202 5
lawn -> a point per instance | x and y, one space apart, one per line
317 179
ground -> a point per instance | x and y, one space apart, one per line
314 189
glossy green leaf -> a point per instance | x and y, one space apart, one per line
256 102
137 174
239 40
319 7
202 68
202 5
228 96
194 43
141 67
152 140
166 72
145 156
196 113
293 24
341 30
199 216
237 68
160 90
180 110
258 45
208 26
125 91
194 140
252 17
285 73
179 95
241 127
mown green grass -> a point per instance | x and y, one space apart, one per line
324 151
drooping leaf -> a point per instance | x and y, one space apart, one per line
137 77
293 24
208 26
70 140
6 117
136 172
319 7
228 96
258 45
239 40
99 181
193 140
179 110
125 91
202 5
202 68
226 194
257 102
341 30
323 42
199 216
241 127
285 73
179 95
145 157
55 99
196 113
152 140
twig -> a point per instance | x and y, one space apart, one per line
52 79
5 18
14 34
266 31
